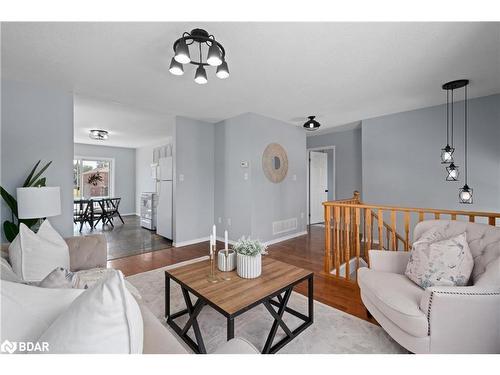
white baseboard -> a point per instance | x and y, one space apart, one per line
190 242
284 238
130 214
221 239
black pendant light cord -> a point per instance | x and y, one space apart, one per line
452 118
447 117
465 148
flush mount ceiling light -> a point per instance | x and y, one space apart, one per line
99 135
311 124
216 55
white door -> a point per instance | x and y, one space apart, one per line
318 185
164 210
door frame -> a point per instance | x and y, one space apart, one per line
334 193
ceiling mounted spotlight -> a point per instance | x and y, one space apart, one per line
98 135
311 124
216 55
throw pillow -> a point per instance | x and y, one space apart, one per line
443 263
104 319
59 278
34 255
7 273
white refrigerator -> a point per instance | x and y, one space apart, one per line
164 179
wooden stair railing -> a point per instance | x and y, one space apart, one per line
353 227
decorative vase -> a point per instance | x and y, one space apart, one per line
249 267
226 265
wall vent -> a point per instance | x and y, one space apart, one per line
284 226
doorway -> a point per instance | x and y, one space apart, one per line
321 186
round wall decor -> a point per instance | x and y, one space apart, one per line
275 162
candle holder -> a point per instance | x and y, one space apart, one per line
211 276
226 262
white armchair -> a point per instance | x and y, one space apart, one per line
438 319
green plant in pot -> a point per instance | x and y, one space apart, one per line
34 179
249 257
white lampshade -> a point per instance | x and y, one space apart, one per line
38 202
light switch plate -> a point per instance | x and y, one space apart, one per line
244 164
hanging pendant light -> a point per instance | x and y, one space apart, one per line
222 71
182 52
176 68
200 76
465 193
447 151
452 172
214 56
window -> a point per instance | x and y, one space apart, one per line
92 177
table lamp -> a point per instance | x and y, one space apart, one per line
38 202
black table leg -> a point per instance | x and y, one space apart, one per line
167 296
230 329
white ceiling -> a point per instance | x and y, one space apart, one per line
127 126
341 72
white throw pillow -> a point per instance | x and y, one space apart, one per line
34 255
104 319
27 311
443 263
7 273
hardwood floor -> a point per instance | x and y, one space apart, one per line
304 251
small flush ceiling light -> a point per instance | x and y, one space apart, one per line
99 135
216 55
311 124
452 172
176 68
201 75
182 52
222 71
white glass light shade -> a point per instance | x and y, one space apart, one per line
176 68
182 52
222 71
214 55
200 76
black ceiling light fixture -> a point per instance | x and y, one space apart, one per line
98 134
449 149
465 193
452 172
311 124
216 55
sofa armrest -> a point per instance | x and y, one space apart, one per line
463 319
389 261
237 346
86 252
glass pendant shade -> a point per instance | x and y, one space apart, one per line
182 52
214 56
222 71
453 172
465 195
200 76
176 68
447 154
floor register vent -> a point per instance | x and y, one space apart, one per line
284 226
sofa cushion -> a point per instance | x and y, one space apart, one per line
7 273
483 239
103 319
396 297
34 255
442 263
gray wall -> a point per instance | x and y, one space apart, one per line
124 171
348 160
252 205
37 123
193 153
401 157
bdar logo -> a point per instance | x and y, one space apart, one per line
8 347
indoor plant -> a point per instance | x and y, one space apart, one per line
249 257
34 179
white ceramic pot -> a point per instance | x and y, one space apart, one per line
249 267
226 264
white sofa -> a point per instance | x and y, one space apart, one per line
438 319
88 252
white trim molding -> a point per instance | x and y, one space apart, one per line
284 238
190 242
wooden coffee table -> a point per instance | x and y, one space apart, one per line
233 297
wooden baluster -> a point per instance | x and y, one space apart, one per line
380 219
472 218
328 240
421 216
453 217
393 230
337 239
407 231
437 215
347 221
357 222
369 236
491 220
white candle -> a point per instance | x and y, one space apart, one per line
211 243
225 240
214 231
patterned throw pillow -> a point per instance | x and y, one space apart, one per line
447 262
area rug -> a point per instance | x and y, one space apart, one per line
333 331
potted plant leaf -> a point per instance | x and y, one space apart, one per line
249 257
34 179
